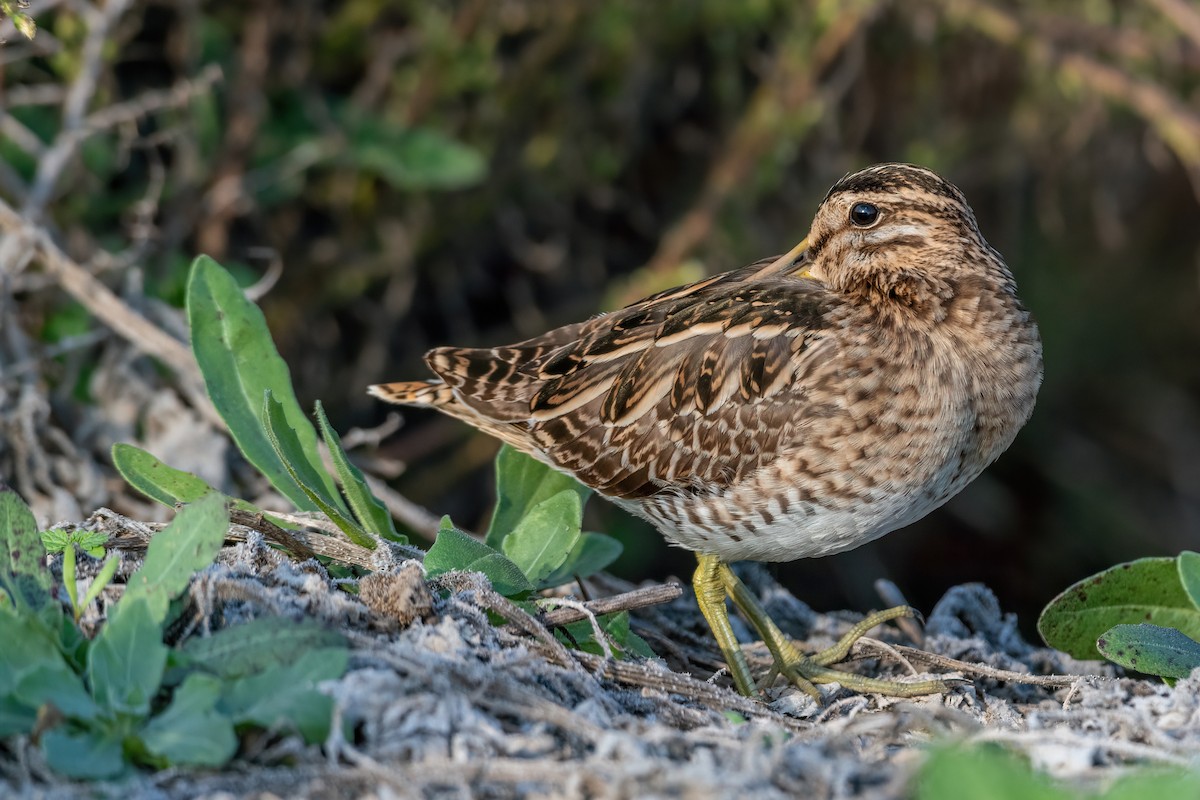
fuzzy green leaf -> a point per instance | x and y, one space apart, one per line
521 483
127 659
1151 649
286 695
1155 783
1188 564
256 645
616 626
368 510
545 537
455 550
23 573
982 773
1146 590
239 361
171 486
409 158
188 544
15 717
287 446
191 730
155 479
90 754
33 671
591 553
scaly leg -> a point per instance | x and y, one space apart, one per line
718 581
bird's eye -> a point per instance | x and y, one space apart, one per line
864 215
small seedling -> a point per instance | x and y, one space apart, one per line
90 542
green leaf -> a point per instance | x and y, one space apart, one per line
68 576
1146 590
544 537
287 446
1151 649
15 717
102 579
455 550
127 659
238 359
171 486
188 544
23 573
55 540
413 158
286 695
616 626
90 754
521 483
90 542
1155 783
256 645
370 512
982 773
1189 575
33 671
591 553
191 730
625 638
155 479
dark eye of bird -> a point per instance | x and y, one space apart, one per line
863 214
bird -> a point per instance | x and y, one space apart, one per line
800 406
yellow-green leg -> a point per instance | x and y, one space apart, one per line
714 581
709 584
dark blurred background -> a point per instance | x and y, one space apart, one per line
394 176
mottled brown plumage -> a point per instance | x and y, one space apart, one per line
796 407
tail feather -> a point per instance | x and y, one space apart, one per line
436 394
431 393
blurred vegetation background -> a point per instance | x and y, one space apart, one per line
390 176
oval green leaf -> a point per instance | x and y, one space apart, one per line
1151 649
591 553
521 483
1146 590
188 544
543 538
1189 575
455 550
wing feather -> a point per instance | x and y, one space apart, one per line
691 387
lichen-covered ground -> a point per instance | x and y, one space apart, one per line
443 703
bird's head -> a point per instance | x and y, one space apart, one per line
902 236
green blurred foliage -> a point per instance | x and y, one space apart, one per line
586 153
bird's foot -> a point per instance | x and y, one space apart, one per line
714 581
805 671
